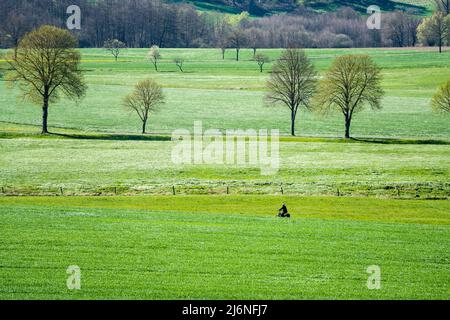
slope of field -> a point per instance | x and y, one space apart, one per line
419 7
176 248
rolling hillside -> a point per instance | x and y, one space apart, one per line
263 7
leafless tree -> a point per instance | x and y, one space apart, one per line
179 62
221 35
15 26
115 47
261 60
154 56
145 99
292 82
255 39
237 40
443 6
400 29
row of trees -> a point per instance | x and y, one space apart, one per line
47 65
143 23
400 30
352 82
154 55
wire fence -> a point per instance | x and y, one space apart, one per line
399 191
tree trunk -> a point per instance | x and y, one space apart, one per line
293 123
254 52
348 121
237 54
223 54
45 116
156 66
144 125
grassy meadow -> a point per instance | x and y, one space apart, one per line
230 94
401 151
203 247
97 194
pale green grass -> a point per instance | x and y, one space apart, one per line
37 166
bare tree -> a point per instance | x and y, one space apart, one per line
395 28
435 30
441 100
443 6
261 60
14 28
353 82
179 62
221 35
292 82
255 39
222 43
154 56
46 66
412 23
145 99
237 40
114 46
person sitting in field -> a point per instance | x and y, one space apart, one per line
283 212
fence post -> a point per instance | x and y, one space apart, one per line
115 191
61 190
228 190
398 191
281 189
338 192
173 190
3 190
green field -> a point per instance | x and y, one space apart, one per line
103 193
227 94
308 167
215 247
98 150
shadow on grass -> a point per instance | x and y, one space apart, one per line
401 141
75 136
114 137
162 137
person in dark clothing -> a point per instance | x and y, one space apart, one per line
283 212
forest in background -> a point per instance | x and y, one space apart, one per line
143 23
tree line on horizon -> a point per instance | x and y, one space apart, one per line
143 23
